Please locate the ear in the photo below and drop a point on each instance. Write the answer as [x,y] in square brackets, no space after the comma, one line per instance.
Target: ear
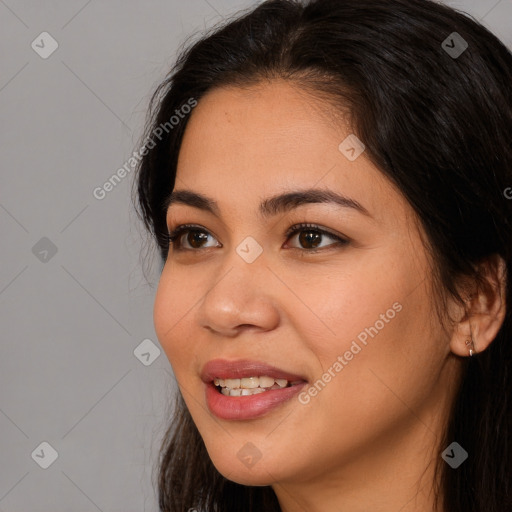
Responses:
[485,309]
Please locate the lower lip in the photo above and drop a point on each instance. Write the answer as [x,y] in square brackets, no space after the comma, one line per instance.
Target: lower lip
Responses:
[249,406]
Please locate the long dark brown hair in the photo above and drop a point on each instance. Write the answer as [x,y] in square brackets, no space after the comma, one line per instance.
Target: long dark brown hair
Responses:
[437,124]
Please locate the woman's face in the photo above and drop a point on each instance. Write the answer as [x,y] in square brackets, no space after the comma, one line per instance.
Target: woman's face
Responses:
[352,322]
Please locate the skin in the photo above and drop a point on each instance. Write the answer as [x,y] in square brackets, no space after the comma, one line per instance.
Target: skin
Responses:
[369,440]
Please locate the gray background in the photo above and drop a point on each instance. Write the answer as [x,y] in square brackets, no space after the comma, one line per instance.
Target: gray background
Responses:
[72,319]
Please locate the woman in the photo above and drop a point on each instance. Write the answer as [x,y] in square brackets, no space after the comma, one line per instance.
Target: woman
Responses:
[327,184]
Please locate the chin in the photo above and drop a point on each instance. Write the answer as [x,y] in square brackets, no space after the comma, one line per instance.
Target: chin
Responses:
[246,476]
[246,466]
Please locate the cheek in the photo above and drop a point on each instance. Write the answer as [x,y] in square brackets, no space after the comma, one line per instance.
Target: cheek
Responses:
[369,324]
[347,307]
[174,301]
[372,390]
[392,354]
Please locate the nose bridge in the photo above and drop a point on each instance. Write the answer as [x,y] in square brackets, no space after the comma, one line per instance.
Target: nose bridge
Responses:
[238,295]
[240,277]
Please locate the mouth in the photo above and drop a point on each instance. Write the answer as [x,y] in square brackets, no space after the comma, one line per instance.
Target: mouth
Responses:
[244,389]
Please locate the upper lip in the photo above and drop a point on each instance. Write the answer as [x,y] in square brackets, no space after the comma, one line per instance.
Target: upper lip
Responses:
[240,368]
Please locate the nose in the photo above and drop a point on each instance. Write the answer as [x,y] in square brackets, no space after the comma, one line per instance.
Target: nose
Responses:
[240,298]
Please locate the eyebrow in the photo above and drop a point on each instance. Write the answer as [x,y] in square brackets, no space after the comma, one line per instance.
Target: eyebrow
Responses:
[270,206]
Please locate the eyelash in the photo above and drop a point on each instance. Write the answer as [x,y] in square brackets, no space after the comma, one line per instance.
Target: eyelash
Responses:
[175,235]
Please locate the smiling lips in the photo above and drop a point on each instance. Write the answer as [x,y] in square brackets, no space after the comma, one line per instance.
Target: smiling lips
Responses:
[245,389]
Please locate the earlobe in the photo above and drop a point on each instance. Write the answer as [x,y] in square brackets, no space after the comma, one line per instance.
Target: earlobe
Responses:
[485,311]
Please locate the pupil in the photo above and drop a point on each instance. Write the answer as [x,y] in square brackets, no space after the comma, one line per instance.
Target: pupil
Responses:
[310,237]
[196,235]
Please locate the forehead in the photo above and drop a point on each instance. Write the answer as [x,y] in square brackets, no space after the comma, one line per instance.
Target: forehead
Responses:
[243,144]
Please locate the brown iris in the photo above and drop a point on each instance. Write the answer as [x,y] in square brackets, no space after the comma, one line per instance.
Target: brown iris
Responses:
[311,236]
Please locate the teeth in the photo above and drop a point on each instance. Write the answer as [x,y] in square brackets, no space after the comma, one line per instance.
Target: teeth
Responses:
[241,391]
[255,391]
[232,383]
[250,382]
[249,385]
[266,382]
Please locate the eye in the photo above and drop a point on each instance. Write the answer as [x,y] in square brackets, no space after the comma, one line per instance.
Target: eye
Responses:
[310,235]
[194,235]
